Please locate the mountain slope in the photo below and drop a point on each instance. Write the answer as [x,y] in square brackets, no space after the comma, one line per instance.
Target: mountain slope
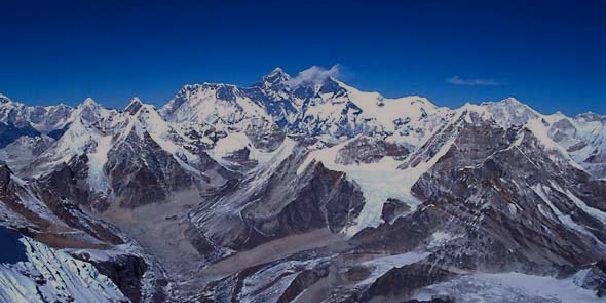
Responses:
[43,119]
[299,189]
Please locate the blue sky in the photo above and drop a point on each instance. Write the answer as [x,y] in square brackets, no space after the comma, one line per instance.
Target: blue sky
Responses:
[549,54]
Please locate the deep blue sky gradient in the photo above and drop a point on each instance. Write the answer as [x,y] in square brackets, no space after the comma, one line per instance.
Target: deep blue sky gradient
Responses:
[549,54]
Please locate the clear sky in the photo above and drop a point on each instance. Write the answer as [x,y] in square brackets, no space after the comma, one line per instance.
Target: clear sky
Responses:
[549,54]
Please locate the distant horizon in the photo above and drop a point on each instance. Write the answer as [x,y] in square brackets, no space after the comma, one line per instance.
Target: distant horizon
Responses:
[551,55]
[159,104]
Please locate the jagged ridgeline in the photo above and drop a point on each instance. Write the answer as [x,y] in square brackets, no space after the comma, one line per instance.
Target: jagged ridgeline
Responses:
[300,190]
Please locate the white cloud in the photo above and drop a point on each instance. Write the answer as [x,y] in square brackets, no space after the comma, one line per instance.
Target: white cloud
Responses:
[314,75]
[456,80]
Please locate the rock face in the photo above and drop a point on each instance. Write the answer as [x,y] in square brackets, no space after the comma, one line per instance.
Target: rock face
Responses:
[392,209]
[489,217]
[43,119]
[9,133]
[583,137]
[274,202]
[593,277]
[517,191]
[143,179]
[126,271]
[368,150]
[301,190]
[402,282]
[50,220]
[51,275]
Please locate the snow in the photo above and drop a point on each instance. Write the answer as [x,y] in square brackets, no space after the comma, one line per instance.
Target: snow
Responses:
[42,118]
[85,135]
[202,105]
[509,287]
[513,209]
[439,238]
[274,158]
[540,131]
[270,282]
[233,142]
[312,76]
[75,140]
[505,113]
[566,219]
[512,112]
[31,202]
[89,112]
[265,286]
[64,276]
[596,213]
[382,265]
[97,179]
[378,181]
[391,109]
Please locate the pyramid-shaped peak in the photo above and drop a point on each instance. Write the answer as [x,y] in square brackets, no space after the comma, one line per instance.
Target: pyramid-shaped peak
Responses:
[276,76]
[134,106]
[89,102]
[509,102]
[277,70]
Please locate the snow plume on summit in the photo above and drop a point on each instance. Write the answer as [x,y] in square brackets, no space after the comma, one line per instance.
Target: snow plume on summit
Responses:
[303,189]
[314,75]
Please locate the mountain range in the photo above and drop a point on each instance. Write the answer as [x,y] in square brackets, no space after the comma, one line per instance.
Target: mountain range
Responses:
[300,190]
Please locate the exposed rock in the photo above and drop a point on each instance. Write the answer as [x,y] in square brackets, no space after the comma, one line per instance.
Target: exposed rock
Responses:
[369,150]
[9,133]
[126,271]
[399,283]
[285,203]
[393,208]
[593,277]
[146,178]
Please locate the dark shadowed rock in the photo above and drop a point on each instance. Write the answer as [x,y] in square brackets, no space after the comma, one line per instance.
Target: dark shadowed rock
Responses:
[369,150]
[10,132]
[126,271]
[286,203]
[141,172]
[400,283]
[393,208]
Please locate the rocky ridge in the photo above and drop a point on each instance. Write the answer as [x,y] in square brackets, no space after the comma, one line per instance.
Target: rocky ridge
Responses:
[307,191]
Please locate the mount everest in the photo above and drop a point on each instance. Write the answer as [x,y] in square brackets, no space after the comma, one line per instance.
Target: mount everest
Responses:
[301,191]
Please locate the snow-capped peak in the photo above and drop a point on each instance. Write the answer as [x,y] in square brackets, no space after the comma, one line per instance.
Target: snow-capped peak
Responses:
[276,76]
[88,112]
[314,76]
[89,102]
[277,70]
[221,104]
[134,106]
[506,112]
[42,118]
[387,110]
[4,99]
[590,116]
[511,100]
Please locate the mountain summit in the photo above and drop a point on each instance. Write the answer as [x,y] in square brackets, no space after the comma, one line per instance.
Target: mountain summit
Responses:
[301,189]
